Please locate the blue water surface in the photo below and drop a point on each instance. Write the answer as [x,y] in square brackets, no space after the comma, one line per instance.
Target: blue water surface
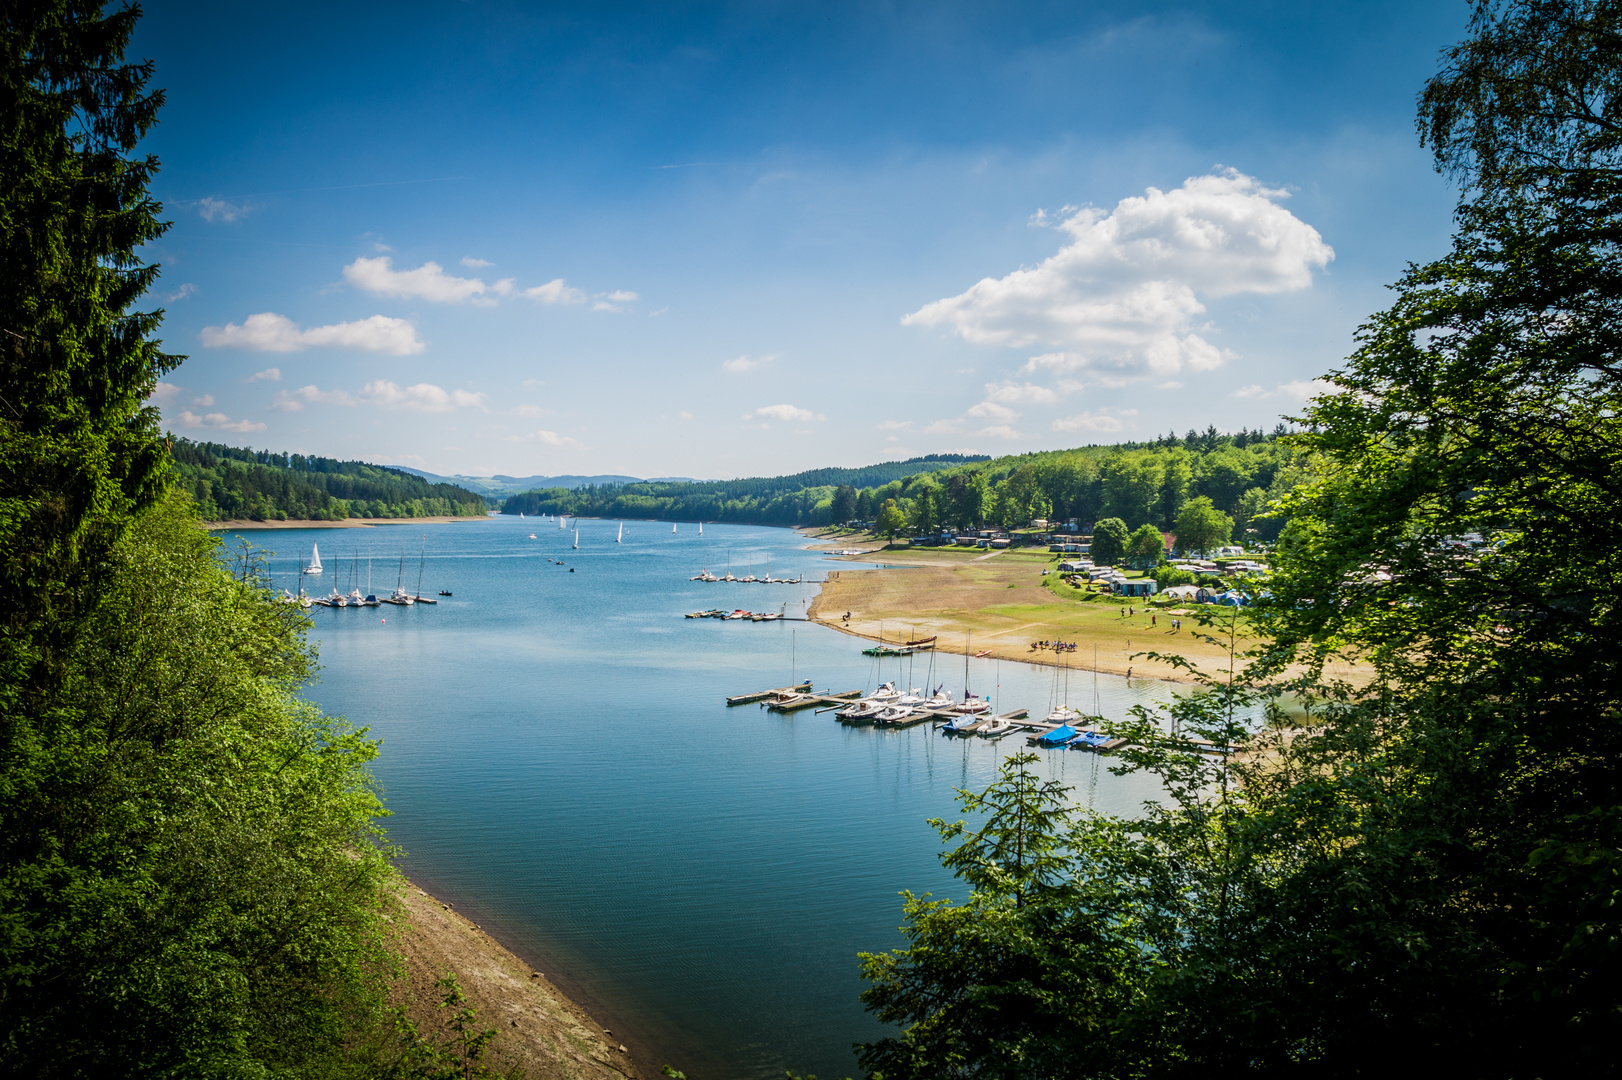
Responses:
[561,766]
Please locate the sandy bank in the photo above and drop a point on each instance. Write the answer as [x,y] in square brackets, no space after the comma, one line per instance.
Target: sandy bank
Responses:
[538,1030]
[347,523]
[1002,606]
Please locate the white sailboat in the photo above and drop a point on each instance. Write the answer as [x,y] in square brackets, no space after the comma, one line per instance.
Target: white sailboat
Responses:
[620,539]
[672,529]
[577,538]
[560,521]
[314,568]
[701,528]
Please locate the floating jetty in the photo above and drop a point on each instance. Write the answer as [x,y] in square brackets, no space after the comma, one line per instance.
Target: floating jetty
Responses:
[791,699]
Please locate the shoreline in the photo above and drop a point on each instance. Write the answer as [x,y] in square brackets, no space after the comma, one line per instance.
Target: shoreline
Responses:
[243,524]
[540,1030]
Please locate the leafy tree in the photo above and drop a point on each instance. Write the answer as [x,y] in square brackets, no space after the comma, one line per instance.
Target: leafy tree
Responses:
[1146,546]
[923,509]
[1110,541]
[891,521]
[1201,527]
[843,507]
[864,505]
[1040,508]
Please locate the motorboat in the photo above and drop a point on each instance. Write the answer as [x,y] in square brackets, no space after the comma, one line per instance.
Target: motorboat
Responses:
[1064,714]
[995,728]
[912,698]
[892,714]
[974,706]
[887,693]
[739,614]
[859,711]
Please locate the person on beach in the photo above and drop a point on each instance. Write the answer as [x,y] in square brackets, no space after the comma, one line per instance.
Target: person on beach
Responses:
[1154,619]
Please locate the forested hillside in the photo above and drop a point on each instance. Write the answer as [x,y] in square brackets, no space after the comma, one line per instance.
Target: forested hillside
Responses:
[1139,483]
[232,482]
[770,500]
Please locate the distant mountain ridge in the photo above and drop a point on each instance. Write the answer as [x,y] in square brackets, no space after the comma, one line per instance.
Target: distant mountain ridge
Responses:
[507,485]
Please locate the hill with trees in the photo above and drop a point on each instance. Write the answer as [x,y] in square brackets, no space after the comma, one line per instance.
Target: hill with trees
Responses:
[260,485]
[1149,483]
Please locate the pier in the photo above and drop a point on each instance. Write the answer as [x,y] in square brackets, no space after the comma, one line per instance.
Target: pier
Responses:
[800,696]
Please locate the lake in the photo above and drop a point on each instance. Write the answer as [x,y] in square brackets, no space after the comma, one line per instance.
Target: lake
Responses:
[561,766]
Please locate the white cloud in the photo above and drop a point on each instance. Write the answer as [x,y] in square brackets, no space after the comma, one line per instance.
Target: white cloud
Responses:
[164,393]
[785,413]
[894,425]
[1171,384]
[1105,421]
[422,397]
[943,427]
[295,400]
[1299,390]
[621,296]
[427,282]
[1123,294]
[604,305]
[661,311]
[270,374]
[740,364]
[555,292]
[530,412]
[217,422]
[185,290]
[991,410]
[685,415]
[1020,394]
[534,382]
[474,264]
[214,209]
[203,402]
[998,431]
[269,332]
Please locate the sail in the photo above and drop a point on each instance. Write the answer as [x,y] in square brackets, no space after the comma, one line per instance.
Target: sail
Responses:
[620,539]
[701,528]
[315,560]
[577,539]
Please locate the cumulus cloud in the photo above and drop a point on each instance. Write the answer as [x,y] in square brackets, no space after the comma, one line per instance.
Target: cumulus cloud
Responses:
[740,364]
[427,282]
[181,293]
[785,413]
[622,296]
[422,397]
[991,410]
[1103,421]
[164,393]
[214,209]
[474,264]
[1123,294]
[203,402]
[1021,394]
[295,400]
[217,422]
[1299,390]
[269,332]
[555,292]
[894,425]
[270,374]
[998,431]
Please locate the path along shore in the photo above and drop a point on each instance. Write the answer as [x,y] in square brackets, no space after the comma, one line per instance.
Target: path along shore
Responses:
[539,1031]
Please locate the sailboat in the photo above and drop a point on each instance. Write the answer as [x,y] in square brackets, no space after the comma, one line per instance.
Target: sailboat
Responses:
[560,521]
[620,539]
[701,528]
[577,538]
[401,594]
[314,569]
[672,528]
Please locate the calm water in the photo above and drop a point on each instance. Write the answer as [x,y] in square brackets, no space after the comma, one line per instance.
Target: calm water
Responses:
[562,767]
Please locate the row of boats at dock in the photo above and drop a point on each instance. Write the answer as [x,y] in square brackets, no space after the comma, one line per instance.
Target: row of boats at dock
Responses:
[750,579]
[354,598]
[739,613]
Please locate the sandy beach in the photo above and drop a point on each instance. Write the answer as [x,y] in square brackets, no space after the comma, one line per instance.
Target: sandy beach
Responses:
[978,601]
[539,1031]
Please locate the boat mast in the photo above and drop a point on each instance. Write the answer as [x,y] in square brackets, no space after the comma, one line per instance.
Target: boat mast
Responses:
[422,559]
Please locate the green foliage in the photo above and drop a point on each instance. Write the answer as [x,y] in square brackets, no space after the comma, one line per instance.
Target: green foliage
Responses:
[1417,872]
[891,522]
[923,518]
[843,506]
[1146,547]
[1201,527]
[228,482]
[190,874]
[1110,541]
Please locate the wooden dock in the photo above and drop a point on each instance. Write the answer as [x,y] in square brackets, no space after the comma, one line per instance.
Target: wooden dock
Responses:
[796,702]
[750,699]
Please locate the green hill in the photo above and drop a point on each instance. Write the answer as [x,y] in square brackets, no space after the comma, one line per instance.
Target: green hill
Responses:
[232,482]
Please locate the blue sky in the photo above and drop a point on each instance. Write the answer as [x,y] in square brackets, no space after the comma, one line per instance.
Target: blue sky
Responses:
[739,239]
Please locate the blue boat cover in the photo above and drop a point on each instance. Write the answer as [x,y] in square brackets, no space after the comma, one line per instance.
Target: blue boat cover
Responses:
[1089,739]
[1061,734]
